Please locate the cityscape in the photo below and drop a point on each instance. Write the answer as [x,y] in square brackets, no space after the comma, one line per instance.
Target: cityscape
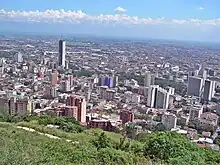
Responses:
[107,97]
[108,84]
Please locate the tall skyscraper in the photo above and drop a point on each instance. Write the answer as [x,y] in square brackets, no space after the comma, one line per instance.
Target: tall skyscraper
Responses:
[152,94]
[147,79]
[18,57]
[162,99]
[2,66]
[209,90]
[195,86]
[158,97]
[62,53]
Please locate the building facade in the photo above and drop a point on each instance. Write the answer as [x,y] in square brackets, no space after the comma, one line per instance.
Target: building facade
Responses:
[169,120]
[62,53]
[80,103]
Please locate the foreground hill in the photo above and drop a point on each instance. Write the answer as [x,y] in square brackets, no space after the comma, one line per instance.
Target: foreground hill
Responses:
[33,142]
[19,146]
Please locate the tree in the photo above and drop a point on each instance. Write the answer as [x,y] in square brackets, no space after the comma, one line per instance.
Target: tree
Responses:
[160,127]
[217,141]
[142,136]
[102,141]
[168,146]
[131,130]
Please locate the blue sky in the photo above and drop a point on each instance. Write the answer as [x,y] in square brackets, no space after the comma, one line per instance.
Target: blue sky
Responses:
[179,9]
[175,19]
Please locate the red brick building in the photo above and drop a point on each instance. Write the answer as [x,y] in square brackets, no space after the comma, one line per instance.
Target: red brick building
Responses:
[101,124]
[126,116]
[80,103]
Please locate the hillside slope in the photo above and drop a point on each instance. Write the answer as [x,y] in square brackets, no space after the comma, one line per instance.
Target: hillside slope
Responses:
[23,147]
[31,141]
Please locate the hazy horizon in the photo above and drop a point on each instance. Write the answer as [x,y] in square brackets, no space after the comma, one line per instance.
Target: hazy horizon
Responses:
[172,20]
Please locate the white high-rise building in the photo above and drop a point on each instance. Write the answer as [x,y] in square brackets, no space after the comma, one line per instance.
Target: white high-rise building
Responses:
[213,88]
[209,90]
[62,53]
[171,90]
[53,92]
[195,85]
[18,57]
[162,100]
[158,97]
[152,94]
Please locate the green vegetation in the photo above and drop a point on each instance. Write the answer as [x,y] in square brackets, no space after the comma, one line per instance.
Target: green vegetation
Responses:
[84,73]
[66,124]
[23,147]
[94,146]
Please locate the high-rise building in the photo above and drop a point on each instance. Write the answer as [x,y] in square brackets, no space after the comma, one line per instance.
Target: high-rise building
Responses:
[53,92]
[171,90]
[158,97]
[147,79]
[153,76]
[169,120]
[202,73]
[67,86]
[195,111]
[109,94]
[162,99]
[18,107]
[195,86]
[70,78]
[18,57]
[62,53]
[54,78]
[152,94]
[209,90]
[115,81]
[80,103]
[2,66]
[211,72]
[110,82]
[102,91]
[4,104]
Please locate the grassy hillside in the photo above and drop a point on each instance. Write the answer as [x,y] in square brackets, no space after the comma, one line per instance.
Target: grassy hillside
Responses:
[22,147]
[77,145]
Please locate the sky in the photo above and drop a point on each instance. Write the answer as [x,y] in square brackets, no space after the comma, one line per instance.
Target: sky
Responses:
[197,20]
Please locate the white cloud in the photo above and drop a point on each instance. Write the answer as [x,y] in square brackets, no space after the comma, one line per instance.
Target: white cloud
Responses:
[200,8]
[120,9]
[74,17]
